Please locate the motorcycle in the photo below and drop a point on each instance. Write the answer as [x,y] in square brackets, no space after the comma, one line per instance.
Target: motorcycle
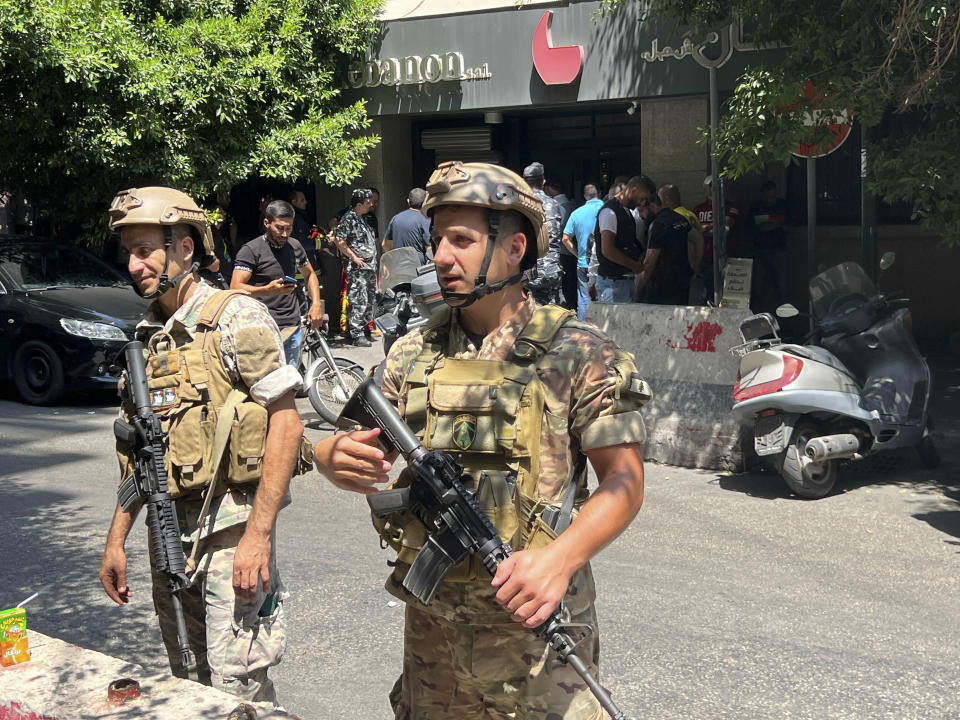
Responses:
[410,294]
[328,381]
[856,386]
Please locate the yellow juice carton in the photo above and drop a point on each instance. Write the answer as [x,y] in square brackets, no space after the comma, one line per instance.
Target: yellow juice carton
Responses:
[13,636]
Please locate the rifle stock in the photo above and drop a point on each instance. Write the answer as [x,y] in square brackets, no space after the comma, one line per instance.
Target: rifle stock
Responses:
[148,485]
[456,524]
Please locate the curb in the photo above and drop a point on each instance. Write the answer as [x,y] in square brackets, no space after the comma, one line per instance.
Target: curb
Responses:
[67,682]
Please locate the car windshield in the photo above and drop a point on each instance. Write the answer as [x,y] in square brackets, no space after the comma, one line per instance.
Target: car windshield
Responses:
[40,266]
[837,283]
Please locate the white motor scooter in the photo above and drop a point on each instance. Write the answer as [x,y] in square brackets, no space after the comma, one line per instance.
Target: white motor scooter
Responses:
[858,385]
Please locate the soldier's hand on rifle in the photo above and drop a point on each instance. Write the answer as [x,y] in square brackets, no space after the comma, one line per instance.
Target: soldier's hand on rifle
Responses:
[251,564]
[113,575]
[532,583]
[352,461]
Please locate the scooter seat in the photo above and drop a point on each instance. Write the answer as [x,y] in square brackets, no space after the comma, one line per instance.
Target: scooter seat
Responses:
[820,355]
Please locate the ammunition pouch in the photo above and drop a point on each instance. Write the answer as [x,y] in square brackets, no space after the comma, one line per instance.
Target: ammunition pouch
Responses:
[487,414]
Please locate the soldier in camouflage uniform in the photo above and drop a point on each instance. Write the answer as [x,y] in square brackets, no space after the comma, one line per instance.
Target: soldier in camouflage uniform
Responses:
[471,652]
[234,607]
[355,239]
[546,288]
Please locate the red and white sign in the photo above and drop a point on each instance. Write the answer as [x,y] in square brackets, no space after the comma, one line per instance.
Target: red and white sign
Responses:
[838,125]
[555,65]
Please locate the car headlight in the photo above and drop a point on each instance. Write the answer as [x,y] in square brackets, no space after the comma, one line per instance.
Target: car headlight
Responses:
[92,330]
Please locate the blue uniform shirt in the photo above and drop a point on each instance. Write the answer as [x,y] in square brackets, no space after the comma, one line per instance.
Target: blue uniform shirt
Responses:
[580,224]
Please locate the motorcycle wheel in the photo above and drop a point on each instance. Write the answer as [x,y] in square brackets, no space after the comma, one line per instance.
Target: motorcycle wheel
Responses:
[815,480]
[326,396]
[929,455]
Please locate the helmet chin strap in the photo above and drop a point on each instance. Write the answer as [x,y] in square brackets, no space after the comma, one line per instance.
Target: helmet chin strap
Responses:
[480,286]
[165,282]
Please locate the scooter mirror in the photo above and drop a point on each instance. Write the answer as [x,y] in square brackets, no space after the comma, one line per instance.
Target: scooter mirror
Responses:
[787,311]
[887,259]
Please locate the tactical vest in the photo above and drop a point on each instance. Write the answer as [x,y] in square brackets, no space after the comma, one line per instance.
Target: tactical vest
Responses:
[487,414]
[190,390]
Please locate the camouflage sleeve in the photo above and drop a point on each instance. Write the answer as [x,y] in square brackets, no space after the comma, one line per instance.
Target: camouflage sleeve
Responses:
[252,351]
[346,229]
[397,366]
[607,393]
[554,222]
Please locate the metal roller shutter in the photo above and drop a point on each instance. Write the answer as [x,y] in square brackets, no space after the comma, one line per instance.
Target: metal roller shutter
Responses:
[469,144]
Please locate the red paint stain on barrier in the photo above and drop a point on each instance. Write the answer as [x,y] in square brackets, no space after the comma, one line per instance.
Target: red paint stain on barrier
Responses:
[16,711]
[699,337]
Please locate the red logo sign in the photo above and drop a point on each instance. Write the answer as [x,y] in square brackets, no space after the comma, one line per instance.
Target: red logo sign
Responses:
[837,124]
[555,65]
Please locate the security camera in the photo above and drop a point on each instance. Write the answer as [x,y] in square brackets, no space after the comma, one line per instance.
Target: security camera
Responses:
[633,107]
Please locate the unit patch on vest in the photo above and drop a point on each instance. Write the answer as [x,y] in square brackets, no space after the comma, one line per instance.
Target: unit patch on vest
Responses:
[163,397]
[464,431]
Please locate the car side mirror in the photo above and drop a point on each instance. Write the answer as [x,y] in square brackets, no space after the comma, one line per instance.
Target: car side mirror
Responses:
[887,260]
[787,311]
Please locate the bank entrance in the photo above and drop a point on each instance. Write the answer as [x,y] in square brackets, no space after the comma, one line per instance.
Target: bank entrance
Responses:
[575,147]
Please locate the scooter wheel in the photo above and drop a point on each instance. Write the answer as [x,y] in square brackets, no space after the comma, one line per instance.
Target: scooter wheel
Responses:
[810,480]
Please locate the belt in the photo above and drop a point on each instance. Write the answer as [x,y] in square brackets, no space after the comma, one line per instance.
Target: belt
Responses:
[628,276]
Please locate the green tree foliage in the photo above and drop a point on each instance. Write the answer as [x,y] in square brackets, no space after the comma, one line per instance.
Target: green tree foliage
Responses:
[99,95]
[892,63]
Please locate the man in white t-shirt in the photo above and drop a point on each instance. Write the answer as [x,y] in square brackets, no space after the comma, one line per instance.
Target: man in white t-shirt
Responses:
[620,243]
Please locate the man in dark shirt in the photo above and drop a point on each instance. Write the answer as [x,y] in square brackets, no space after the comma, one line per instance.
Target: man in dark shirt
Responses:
[260,269]
[704,213]
[665,278]
[371,215]
[766,227]
[409,228]
[301,225]
[568,260]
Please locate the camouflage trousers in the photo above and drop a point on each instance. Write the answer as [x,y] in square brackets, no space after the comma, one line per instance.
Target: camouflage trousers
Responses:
[460,670]
[234,642]
[361,299]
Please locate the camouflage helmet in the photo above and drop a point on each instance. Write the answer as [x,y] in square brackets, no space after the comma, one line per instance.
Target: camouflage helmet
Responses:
[487,186]
[160,206]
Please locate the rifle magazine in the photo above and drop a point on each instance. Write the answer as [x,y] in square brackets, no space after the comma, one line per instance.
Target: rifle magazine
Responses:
[440,554]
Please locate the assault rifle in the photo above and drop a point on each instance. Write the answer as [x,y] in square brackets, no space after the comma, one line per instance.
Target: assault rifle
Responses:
[456,525]
[148,485]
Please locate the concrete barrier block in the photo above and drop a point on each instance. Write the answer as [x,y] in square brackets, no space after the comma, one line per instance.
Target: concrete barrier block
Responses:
[683,353]
[67,682]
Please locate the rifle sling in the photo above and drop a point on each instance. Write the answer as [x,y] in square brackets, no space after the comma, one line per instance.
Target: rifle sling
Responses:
[220,440]
[570,494]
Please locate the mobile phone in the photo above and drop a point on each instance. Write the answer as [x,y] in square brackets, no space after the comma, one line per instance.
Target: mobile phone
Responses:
[287,280]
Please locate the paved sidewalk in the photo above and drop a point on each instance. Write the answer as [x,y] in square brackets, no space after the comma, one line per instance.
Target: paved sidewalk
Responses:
[66,682]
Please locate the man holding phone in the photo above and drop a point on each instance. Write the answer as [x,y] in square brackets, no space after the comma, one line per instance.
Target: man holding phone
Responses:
[266,268]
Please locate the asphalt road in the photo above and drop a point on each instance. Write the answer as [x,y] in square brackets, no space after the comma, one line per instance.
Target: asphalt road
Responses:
[726,598]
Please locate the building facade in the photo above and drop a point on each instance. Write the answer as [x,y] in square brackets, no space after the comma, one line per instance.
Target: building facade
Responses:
[590,96]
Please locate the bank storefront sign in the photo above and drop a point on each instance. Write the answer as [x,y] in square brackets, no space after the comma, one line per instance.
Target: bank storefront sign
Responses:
[414,70]
[528,56]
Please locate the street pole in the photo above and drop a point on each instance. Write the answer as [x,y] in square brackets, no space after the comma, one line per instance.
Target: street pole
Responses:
[719,214]
[811,223]
[868,215]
